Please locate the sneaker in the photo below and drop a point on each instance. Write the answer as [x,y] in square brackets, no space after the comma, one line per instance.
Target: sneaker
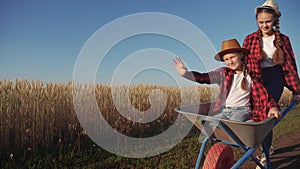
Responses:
[263,162]
[271,150]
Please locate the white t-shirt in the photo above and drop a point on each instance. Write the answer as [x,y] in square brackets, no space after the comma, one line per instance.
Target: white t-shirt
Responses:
[237,97]
[270,49]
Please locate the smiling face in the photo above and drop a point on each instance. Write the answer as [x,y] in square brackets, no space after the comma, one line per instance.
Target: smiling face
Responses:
[234,61]
[265,22]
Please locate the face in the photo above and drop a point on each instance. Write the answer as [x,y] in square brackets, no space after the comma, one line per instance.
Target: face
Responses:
[234,61]
[265,22]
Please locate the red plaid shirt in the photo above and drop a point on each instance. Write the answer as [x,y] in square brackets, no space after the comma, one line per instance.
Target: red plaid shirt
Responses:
[260,100]
[289,67]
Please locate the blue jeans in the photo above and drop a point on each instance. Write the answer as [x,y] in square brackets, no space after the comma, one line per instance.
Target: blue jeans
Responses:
[234,113]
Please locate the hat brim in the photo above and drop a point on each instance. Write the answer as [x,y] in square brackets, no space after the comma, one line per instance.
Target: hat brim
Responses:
[219,56]
[268,7]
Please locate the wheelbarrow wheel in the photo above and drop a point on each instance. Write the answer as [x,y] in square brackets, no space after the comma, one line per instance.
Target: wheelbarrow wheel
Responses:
[219,156]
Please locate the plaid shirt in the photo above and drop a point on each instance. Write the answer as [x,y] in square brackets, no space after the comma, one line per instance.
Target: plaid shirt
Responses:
[260,100]
[291,77]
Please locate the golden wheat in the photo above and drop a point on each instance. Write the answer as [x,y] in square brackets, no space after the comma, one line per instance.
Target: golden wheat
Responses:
[34,114]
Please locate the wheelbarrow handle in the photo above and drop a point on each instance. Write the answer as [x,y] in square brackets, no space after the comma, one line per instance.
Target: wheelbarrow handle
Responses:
[294,103]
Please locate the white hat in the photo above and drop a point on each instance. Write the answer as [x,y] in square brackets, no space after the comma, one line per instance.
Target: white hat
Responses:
[269,4]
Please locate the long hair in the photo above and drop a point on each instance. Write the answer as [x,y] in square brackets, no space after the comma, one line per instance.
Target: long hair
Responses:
[244,83]
[278,56]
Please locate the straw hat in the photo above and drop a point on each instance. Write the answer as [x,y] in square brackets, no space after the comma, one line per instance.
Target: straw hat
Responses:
[229,46]
[269,4]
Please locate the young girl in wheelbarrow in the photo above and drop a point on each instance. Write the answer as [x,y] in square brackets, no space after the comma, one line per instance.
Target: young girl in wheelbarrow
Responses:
[242,97]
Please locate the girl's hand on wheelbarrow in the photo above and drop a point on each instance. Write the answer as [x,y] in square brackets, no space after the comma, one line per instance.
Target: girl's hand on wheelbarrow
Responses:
[274,112]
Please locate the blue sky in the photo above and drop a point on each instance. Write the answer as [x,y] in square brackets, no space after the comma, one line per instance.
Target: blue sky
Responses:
[42,40]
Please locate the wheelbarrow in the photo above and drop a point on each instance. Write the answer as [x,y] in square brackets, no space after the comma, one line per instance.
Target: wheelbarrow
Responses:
[227,133]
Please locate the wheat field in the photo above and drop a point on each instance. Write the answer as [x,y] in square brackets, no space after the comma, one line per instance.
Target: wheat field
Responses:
[34,114]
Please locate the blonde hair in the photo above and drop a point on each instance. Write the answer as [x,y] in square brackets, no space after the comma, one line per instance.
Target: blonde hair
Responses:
[244,83]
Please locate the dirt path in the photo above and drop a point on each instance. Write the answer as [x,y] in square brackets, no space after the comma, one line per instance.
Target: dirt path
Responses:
[286,153]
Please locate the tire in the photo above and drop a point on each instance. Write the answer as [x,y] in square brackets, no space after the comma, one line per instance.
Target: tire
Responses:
[219,156]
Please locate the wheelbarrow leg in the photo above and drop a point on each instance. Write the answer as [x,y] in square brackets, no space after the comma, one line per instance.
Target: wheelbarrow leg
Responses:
[266,153]
[201,153]
[244,158]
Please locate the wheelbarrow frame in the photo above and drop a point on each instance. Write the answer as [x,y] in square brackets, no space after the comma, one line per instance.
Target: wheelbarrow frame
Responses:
[234,137]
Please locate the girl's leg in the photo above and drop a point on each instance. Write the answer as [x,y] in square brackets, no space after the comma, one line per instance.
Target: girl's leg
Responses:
[235,113]
[273,79]
[240,114]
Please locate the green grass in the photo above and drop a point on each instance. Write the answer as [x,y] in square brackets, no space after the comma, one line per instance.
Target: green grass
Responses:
[85,154]
[288,124]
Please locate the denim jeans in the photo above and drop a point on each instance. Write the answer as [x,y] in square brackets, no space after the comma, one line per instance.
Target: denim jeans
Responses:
[242,114]
[235,113]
